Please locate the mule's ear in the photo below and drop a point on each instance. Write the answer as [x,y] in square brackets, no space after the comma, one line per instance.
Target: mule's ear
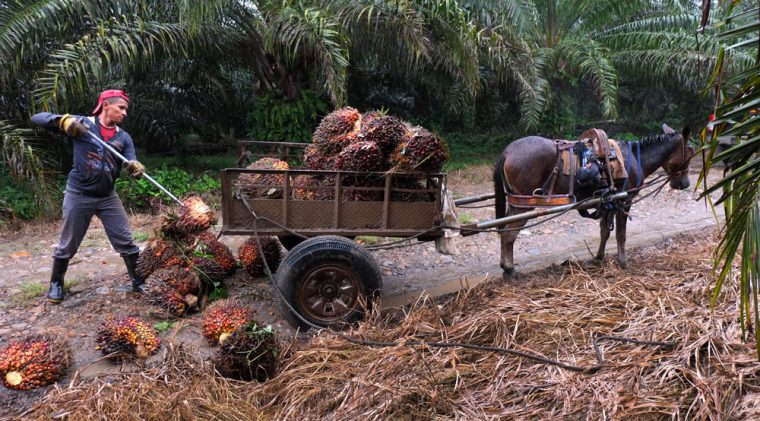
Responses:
[667,129]
[686,132]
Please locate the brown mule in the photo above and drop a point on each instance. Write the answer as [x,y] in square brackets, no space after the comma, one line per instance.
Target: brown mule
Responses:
[527,163]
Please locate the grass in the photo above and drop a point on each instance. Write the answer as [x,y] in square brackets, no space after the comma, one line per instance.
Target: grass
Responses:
[34,289]
[141,235]
[163,327]
[29,291]
[466,149]
[367,239]
[466,218]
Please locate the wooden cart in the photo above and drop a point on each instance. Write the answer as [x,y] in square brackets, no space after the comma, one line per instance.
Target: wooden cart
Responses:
[328,279]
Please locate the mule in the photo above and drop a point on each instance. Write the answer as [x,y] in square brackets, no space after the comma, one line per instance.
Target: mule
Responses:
[526,164]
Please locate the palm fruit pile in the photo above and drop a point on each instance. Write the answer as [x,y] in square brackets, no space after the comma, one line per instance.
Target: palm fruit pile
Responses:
[174,289]
[127,337]
[371,142]
[34,361]
[249,353]
[184,252]
[194,217]
[252,260]
[262,185]
[224,317]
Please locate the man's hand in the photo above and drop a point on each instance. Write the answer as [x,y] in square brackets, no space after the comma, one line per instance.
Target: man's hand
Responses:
[135,168]
[71,126]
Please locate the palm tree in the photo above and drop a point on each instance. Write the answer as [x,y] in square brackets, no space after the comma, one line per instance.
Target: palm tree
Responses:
[195,66]
[738,115]
[601,42]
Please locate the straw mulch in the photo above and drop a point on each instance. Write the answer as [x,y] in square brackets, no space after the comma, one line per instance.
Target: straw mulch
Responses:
[709,373]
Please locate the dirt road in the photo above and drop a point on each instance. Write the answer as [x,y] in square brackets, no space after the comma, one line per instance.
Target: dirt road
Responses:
[409,271]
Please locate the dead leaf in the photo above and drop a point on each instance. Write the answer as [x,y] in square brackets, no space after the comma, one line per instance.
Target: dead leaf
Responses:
[20,254]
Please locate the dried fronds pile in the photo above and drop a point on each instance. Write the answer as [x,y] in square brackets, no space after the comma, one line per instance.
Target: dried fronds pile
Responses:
[664,295]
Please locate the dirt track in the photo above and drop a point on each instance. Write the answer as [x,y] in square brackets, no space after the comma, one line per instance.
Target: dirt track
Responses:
[25,263]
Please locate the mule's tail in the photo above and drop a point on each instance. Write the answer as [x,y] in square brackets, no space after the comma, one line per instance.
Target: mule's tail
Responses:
[499,188]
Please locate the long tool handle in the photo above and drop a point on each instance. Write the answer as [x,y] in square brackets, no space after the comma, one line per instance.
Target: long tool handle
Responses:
[124,159]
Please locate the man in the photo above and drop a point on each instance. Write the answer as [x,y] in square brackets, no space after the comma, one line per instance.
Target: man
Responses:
[90,185]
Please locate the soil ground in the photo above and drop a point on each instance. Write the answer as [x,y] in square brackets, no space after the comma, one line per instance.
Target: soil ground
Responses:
[96,271]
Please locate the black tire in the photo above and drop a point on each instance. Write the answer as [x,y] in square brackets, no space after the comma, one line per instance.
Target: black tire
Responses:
[328,280]
[290,241]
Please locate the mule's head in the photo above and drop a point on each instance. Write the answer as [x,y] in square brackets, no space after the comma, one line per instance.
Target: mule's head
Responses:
[677,164]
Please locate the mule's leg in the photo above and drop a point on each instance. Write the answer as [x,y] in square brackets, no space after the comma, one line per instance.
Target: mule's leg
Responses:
[621,218]
[604,234]
[508,238]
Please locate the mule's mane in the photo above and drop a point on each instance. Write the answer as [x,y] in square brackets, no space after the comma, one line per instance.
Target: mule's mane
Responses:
[664,137]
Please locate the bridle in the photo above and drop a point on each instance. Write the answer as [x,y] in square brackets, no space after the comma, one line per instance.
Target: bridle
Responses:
[684,167]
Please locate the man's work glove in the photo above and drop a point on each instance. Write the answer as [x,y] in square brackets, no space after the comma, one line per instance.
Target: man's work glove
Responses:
[135,168]
[71,126]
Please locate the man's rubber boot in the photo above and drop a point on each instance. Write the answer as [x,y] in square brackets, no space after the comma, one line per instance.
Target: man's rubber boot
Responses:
[137,284]
[55,293]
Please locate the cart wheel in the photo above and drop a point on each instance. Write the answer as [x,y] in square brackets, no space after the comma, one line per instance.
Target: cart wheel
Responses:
[290,241]
[327,280]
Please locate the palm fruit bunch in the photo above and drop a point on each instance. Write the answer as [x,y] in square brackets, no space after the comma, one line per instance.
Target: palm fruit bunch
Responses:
[159,253]
[315,159]
[175,289]
[127,337]
[251,259]
[386,131]
[248,353]
[337,130]
[360,156]
[223,318]
[34,361]
[261,185]
[207,269]
[207,243]
[368,116]
[193,217]
[424,151]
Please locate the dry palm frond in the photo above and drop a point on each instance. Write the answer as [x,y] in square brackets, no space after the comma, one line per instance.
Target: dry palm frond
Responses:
[709,373]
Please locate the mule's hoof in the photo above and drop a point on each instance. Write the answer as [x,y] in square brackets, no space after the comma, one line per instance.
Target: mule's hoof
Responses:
[509,274]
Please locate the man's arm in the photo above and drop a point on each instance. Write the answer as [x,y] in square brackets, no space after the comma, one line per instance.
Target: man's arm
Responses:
[72,125]
[47,120]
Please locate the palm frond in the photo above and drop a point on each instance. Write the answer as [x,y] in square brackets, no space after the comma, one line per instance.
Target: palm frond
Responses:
[26,162]
[313,35]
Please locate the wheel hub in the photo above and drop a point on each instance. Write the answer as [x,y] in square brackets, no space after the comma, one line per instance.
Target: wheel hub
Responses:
[329,292]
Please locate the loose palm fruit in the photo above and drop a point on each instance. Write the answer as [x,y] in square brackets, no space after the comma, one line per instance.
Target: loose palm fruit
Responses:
[223,318]
[34,361]
[127,337]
